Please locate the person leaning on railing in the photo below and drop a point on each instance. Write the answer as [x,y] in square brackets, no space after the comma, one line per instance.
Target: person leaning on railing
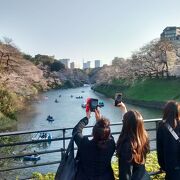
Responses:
[132,146]
[168,145]
[94,155]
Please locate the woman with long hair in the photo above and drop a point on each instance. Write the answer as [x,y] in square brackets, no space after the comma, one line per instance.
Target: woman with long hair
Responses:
[132,146]
[168,145]
[94,155]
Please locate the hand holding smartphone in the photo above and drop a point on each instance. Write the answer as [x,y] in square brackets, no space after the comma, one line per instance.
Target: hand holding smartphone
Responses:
[118,98]
[91,104]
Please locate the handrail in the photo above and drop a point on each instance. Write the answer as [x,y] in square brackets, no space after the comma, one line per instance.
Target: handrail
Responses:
[61,129]
[61,150]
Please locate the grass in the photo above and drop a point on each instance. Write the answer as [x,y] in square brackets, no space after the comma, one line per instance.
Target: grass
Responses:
[155,90]
[151,166]
[159,90]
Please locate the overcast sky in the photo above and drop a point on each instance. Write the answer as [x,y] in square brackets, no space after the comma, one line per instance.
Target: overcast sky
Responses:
[85,29]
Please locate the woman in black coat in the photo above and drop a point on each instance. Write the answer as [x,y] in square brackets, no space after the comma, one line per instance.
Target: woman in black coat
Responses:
[95,155]
[168,148]
[132,146]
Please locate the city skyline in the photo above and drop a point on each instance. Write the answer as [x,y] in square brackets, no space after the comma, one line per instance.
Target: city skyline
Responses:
[85,29]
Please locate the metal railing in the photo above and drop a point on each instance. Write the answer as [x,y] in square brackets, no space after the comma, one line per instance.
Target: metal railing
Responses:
[61,150]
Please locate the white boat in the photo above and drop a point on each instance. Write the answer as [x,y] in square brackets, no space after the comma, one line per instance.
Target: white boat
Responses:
[42,136]
[32,158]
[86,85]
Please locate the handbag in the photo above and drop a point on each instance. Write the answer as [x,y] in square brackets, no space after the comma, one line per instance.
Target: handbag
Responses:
[68,166]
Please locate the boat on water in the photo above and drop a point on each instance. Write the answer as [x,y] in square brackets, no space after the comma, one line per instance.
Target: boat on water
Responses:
[35,157]
[42,136]
[50,118]
[56,101]
[86,85]
[101,104]
[79,97]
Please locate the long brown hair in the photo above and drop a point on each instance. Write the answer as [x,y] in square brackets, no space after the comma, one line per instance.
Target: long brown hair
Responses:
[101,131]
[171,113]
[133,130]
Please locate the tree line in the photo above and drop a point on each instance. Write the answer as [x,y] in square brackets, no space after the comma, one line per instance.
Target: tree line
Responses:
[154,60]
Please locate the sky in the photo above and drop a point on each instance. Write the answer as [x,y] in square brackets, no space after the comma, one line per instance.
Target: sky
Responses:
[85,29]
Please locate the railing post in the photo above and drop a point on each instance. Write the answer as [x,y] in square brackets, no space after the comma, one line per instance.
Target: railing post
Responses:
[64,144]
[157,122]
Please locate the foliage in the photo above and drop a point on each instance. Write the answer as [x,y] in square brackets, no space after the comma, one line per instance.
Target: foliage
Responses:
[28,57]
[6,123]
[56,66]
[151,166]
[68,84]
[146,90]
[8,50]
[151,90]
[152,59]
[44,59]
[39,176]
[7,103]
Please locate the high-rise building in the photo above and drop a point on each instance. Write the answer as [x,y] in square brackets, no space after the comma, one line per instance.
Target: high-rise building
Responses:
[84,65]
[65,62]
[171,33]
[72,65]
[88,64]
[97,63]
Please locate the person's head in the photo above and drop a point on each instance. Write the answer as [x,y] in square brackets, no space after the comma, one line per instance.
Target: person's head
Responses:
[101,131]
[171,113]
[133,130]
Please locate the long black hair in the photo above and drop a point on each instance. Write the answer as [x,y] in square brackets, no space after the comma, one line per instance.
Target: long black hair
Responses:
[171,113]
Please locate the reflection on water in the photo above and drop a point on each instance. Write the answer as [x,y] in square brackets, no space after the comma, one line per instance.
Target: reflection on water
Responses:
[66,111]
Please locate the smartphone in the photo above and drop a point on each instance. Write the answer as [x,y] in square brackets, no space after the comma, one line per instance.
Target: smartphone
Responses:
[93,104]
[118,98]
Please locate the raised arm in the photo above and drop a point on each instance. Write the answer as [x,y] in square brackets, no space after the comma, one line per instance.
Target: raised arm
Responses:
[77,130]
[122,108]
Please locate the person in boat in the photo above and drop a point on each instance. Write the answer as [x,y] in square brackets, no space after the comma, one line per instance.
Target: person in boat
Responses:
[35,154]
[94,155]
[44,135]
[132,146]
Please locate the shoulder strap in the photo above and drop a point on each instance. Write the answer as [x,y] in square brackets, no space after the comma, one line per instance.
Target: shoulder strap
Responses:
[170,129]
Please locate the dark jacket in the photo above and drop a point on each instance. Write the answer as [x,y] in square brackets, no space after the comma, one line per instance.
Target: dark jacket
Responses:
[129,170]
[168,151]
[95,162]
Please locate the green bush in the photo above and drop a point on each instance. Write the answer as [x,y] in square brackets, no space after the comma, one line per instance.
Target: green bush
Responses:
[39,176]
[151,166]
[56,66]
[7,103]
